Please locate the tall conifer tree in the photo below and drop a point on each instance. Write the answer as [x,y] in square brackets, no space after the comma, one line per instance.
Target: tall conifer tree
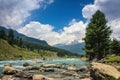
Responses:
[97,38]
[11,36]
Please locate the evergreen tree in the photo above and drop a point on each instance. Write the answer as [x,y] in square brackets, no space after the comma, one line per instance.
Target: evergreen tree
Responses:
[11,37]
[17,40]
[2,34]
[97,38]
[20,42]
[115,47]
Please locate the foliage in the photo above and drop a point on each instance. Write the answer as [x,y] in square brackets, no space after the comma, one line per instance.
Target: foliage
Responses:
[112,58]
[11,37]
[14,52]
[115,47]
[2,34]
[97,40]
[110,78]
[60,52]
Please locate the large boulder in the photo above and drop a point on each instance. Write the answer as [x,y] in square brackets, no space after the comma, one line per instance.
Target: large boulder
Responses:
[8,69]
[9,77]
[99,71]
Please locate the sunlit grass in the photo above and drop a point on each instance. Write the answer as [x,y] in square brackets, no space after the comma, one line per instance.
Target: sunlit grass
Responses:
[14,52]
[113,59]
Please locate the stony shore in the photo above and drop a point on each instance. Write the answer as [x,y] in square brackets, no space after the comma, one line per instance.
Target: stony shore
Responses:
[95,71]
[46,72]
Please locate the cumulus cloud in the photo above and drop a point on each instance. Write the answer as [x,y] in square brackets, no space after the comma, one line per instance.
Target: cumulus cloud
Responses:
[109,7]
[89,10]
[40,31]
[73,33]
[115,26]
[111,10]
[14,12]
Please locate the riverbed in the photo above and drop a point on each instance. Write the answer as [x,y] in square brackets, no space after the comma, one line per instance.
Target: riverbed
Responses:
[38,62]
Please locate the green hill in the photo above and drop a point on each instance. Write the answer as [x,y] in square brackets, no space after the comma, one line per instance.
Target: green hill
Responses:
[14,52]
[26,38]
[17,47]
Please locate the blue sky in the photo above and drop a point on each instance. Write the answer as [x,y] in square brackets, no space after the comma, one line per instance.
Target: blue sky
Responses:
[60,13]
[57,21]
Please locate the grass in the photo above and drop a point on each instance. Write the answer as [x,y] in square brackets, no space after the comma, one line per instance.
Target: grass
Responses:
[112,59]
[8,52]
[110,78]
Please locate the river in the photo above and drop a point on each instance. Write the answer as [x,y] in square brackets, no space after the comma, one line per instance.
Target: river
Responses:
[19,63]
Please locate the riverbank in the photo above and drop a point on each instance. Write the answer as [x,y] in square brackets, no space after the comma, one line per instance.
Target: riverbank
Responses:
[57,69]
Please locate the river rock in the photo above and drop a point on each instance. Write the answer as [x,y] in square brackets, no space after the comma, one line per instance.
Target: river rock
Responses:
[26,64]
[38,77]
[99,71]
[67,79]
[50,79]
[14,74]
[10,77]
[31,68]
[8,65]
[86,79]
[83,69]
[8,69]
[22,74]
[49,70]
[72,68]
[50,65]
[68,73]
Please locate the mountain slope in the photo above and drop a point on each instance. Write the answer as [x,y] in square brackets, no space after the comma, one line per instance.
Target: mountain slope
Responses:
[14,52]
[35,44]
[25,37]
[74,48]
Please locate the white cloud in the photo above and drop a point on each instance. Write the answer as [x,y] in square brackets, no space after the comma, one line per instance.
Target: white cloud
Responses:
[89,10]
[40,31]
[14,12]
[115,26]
[111,10]
[69,35]
[73,33]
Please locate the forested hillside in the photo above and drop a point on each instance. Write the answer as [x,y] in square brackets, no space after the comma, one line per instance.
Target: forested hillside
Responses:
[12,46]
[16,34]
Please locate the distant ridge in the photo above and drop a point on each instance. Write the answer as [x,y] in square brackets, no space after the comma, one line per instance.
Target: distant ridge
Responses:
[74,48]
[40,44]
[43,42]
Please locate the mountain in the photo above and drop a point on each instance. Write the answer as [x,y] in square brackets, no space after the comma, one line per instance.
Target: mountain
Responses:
[24,37]
[8,52]
[39,45]
[74,48]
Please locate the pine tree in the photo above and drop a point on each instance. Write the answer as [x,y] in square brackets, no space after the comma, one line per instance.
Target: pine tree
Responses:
[115,47]
[20,42]
[97,38]
[2,34]
[11,37]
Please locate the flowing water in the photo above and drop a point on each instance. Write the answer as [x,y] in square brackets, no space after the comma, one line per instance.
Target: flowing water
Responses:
[19,63]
